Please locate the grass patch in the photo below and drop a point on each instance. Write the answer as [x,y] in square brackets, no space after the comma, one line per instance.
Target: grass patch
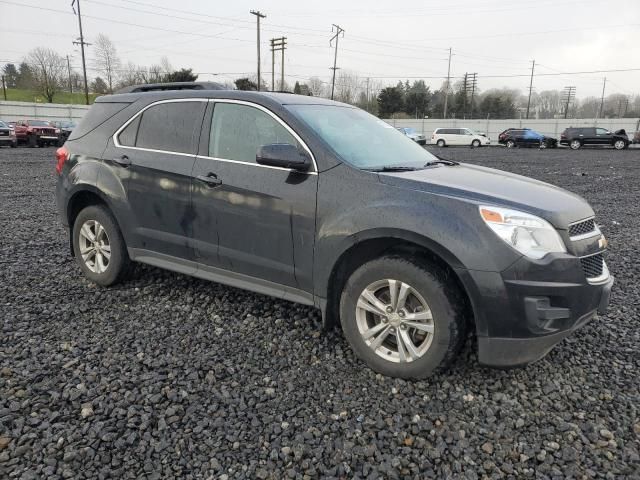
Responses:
[21,95]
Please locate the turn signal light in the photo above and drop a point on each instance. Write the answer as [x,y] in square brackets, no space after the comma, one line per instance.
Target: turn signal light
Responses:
[62,155]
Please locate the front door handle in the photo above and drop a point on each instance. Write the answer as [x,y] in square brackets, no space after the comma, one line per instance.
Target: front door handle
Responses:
[210,179]
[123,161]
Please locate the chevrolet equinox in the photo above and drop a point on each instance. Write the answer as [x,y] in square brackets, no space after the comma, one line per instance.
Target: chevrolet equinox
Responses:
[320,203]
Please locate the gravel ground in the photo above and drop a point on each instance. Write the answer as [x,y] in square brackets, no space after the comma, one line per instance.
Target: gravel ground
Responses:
[169,376]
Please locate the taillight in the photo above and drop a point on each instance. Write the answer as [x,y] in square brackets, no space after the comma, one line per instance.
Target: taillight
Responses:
[62,155]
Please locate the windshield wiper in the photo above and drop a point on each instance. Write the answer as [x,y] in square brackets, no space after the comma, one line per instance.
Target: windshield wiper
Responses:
[441,161]
[392,168]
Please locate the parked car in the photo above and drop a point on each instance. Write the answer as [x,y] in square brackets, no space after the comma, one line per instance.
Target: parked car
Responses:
[36,133]
[525,137]
[7,135]
[320,203]
[443,137]
[65,128]
[636,137]
[413,135]
[590,136]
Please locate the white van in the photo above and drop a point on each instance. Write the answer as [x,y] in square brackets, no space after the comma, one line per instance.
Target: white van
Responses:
[444,137]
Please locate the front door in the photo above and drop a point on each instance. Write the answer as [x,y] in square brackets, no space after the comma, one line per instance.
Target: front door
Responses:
[155,154]
[252,219]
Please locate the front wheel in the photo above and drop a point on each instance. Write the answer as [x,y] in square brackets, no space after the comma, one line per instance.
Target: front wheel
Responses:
[99,247]
[619,145]
[403,318]
[475,143]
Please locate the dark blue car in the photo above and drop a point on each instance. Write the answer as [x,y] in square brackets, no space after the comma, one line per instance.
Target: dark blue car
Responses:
[525,137]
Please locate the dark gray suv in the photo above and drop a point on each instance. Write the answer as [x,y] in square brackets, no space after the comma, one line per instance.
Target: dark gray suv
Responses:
[320,203]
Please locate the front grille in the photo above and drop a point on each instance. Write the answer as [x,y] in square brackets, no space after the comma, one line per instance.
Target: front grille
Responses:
[592,265]
[4,132]
[581,228]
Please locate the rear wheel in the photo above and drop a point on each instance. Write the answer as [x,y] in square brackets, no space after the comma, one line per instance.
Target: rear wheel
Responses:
[575,144]
[441,143]
[475,143]
[543,144]
[510,144]
[99,247]
[403,319]
[32,141]
[14,144]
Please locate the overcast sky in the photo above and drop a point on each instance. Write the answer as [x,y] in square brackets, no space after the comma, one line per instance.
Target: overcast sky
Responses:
[386,41]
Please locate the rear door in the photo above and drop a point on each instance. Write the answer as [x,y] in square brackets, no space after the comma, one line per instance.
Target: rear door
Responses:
[154,154]
[252,219]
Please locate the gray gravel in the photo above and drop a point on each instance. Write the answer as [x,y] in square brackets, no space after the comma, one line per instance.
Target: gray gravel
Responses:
[169,376]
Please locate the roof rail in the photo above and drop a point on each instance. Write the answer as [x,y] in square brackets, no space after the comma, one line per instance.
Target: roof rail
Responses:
[157,87]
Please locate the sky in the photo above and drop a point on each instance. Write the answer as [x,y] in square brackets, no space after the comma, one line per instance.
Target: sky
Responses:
[383,41]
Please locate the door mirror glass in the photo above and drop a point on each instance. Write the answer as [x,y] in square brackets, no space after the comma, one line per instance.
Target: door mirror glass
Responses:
[283,155]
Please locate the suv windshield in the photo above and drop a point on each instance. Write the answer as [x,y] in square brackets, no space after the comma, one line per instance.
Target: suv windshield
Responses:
[3,125]
[362,140]
[38,123]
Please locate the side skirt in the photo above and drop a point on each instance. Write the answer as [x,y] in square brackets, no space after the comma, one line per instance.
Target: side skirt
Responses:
[222,276]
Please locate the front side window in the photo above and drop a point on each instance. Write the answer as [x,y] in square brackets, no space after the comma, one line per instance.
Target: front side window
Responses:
[601,131]
[238,131]
[171,127]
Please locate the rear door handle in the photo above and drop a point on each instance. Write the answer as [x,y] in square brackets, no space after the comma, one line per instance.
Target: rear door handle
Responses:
[210,179]
[123,161]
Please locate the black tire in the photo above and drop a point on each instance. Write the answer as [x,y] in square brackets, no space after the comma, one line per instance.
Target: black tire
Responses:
[510,144]
[475,143]
[14,144]
[444,300]
[32,141]
[441,143]
[575,144]
[619,144]
[118,265]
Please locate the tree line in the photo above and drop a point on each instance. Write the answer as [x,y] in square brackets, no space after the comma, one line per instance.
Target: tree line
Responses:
[49,73]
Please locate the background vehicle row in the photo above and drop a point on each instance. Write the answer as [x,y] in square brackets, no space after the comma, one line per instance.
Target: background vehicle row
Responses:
[35,133]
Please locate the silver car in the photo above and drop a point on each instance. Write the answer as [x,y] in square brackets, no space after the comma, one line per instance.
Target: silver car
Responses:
[413,135]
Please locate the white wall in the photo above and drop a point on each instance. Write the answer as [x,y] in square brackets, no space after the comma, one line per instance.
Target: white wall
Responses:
[10,110]
[551,127]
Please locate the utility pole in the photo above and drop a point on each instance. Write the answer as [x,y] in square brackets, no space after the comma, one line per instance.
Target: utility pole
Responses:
[339,31]
[4,88]
[82,43]
[604,84]
[277,44]
[446,93]
[533,67]
[258,15]
[69,72]
[568,94]
[474,83]
[367,94]
[464,96]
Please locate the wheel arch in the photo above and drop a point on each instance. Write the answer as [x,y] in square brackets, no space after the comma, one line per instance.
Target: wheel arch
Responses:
[370,245]
[80,199]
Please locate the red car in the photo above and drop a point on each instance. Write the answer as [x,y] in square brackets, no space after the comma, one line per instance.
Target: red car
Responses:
[36,133]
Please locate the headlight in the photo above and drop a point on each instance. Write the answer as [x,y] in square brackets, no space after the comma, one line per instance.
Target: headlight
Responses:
[530,235]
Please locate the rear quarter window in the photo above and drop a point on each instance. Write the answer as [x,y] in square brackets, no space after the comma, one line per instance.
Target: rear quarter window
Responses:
[171,127]
[99,113]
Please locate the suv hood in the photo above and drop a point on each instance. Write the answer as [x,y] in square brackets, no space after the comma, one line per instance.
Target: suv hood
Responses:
[489,186]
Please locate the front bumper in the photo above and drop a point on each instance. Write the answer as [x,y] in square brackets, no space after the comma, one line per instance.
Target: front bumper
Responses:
[523,312]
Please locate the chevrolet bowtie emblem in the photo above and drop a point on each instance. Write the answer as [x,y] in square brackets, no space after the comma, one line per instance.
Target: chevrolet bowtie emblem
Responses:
[602,242]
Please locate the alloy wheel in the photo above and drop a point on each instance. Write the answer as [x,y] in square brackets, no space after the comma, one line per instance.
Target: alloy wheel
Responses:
[94,246]
[395,321]
[618,145]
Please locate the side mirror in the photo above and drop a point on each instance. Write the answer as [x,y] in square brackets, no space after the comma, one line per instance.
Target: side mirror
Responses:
[283,155]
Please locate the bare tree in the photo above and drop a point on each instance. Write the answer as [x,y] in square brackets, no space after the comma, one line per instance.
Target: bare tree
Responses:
[347,86]
[49,71]
[106,60]
[131,74]
[316,87]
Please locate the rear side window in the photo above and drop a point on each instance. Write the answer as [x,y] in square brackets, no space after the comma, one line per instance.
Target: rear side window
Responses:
[171,127]
[238,131]
[99,113]
[128,136]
